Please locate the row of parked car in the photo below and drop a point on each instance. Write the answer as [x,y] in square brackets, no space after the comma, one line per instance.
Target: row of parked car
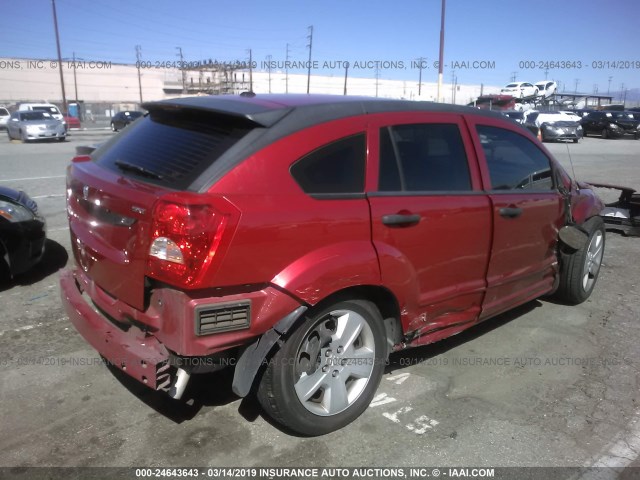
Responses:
[576,124]
[34,121]
[543,89]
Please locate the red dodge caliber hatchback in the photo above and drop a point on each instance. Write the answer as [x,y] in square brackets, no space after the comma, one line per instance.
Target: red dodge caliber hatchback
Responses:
[301,239]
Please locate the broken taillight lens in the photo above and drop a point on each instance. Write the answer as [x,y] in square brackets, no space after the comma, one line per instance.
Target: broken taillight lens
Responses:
[185,233]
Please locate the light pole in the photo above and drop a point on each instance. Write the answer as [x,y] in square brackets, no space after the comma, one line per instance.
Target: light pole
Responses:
[441,54]
[55,26]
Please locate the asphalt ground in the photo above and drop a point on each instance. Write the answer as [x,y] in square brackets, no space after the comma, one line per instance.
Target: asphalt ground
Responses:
[543,385]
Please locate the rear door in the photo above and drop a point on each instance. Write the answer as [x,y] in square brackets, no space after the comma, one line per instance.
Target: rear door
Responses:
[431,222]
[527,214]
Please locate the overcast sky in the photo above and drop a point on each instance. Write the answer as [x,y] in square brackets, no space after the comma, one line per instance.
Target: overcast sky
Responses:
[487,41]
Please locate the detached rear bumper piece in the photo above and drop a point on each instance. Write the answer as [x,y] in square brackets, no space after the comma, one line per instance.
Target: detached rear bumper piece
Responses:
[133,351]
[622,215]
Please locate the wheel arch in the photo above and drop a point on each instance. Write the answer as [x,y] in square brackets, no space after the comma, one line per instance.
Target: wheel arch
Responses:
[253,359]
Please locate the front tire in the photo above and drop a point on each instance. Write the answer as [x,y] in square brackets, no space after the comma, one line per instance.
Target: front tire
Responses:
[113,127]
[605,133]
[579,268]
[328,370]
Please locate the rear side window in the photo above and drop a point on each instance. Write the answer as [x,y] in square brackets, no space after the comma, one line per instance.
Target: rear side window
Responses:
[423,158]
[514,162]
[171,148]
[337,168]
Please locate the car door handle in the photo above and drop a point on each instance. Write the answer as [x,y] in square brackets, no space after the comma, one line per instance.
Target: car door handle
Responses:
[510,212]
[400,219]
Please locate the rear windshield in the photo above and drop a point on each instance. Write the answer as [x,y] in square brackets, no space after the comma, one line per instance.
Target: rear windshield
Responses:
[46,109]
[171,148]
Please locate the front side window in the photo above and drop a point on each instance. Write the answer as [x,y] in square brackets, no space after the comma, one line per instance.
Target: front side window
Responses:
[336,168]
[423,158]
[514,162]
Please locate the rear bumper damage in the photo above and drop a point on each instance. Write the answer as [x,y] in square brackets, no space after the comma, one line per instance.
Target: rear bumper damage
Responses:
[163,346]
[133,351]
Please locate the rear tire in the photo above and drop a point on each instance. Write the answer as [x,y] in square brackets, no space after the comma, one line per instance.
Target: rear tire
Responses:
[328,370]
[113,127]
[576,140]
[605,134]
[579,268]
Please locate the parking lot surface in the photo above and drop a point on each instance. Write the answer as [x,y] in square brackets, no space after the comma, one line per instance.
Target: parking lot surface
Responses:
[544,385]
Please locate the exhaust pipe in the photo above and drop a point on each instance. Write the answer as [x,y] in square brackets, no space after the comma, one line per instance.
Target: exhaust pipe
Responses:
[179,384]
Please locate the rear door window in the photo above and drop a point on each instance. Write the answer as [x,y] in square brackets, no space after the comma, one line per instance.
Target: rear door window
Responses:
[423,158]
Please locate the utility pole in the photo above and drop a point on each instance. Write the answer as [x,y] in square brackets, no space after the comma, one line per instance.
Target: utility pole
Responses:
[250,71]
[441,54]
[420,65]
[514,75]
[609,87]
[286,71]
[269,57]
[577,83]
[346,71]
[546,72]
[75,84]
[377,78]
[138,58]
[622,90]
[310,45]
[184,73]
[55,26]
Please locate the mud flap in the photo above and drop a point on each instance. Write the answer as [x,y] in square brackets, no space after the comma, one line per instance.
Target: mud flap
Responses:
[253,356]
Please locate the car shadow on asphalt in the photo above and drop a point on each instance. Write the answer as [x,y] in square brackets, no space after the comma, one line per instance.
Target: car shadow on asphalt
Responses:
[413,356]
[214,389]
[203,390]
[55,257]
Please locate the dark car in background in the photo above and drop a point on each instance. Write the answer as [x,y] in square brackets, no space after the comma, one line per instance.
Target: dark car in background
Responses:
[22,233]
[517,116]
[555,126]
[122,119]
[611,124]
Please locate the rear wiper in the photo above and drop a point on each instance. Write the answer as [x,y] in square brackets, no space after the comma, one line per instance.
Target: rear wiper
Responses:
[137,169]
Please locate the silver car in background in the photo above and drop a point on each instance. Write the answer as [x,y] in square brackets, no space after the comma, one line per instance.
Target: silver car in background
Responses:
[34,125]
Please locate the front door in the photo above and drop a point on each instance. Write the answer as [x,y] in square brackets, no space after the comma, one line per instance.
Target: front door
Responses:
[527,214]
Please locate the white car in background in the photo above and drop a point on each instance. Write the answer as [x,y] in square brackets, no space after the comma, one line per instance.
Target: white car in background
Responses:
[520,90]
[546,88]
[4,117]
[42,107]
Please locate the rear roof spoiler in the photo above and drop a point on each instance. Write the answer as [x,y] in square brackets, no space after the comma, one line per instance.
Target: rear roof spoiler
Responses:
[264,114]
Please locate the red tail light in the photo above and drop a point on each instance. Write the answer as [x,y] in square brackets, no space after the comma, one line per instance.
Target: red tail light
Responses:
[185,234]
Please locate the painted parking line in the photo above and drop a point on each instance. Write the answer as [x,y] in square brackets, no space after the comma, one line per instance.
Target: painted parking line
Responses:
[381,399]
[30,178]
[25,328]
[619,454]
[53,195]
